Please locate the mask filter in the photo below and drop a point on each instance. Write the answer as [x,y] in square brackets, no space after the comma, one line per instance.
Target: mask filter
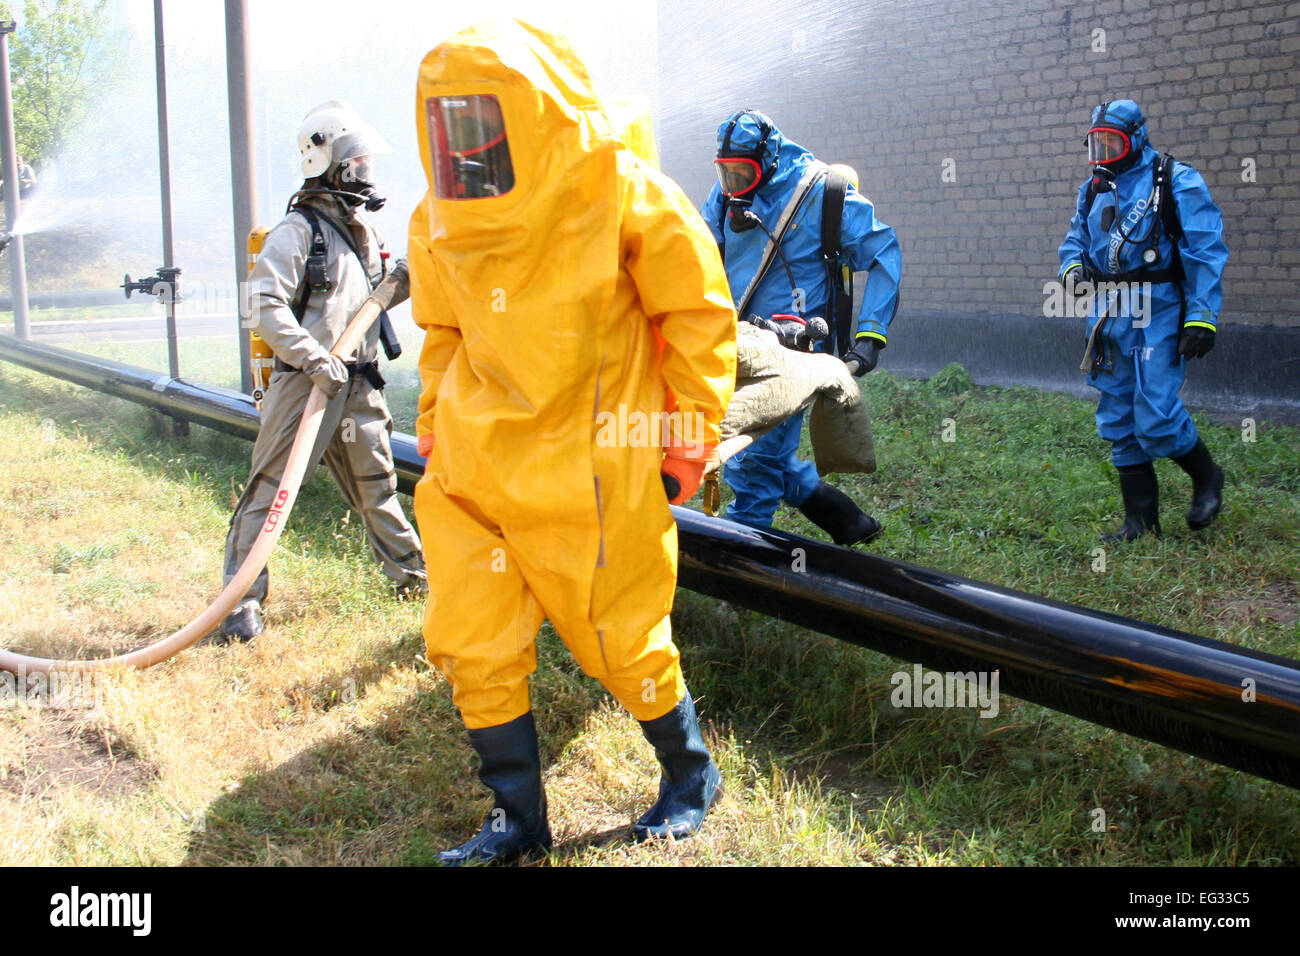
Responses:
[740,218]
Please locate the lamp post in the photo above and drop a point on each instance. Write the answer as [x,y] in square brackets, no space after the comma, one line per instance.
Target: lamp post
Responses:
[17,262]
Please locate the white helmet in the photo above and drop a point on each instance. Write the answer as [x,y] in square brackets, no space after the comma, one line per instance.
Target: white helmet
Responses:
[334,133]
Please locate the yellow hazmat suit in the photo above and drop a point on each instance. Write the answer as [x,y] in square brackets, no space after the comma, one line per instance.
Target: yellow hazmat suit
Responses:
[581,292]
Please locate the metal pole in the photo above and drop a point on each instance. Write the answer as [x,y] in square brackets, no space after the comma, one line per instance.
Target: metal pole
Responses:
[243,175]
[165,176]
[17,261]
[1232,705]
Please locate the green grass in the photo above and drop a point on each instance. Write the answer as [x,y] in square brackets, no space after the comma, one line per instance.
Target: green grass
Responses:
[330,740]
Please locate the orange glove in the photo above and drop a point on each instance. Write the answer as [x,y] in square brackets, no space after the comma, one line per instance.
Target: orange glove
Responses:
[683,472]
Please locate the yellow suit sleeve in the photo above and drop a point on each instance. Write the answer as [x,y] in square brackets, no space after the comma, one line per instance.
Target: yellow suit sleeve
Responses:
[674,261]
[428,309]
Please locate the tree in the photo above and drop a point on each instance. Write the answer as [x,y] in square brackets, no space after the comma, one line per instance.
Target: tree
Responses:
[61,52]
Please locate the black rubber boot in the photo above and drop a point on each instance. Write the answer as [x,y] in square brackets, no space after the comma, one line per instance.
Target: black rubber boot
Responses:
[1207,486]
[512,769]
[243,623]
[691,782]
[1137,483]
[835,513]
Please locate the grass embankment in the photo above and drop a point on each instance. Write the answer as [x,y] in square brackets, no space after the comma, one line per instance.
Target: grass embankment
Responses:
[330,740]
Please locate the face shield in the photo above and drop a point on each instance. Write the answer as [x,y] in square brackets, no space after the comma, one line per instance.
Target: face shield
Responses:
[353,153]
[1106,145]
[467,140]
[737,175]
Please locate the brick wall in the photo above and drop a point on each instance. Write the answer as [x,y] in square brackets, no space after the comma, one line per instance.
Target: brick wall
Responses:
[1000,93]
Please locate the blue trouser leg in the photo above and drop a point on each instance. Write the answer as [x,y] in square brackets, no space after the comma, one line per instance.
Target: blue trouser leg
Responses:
[1115,421]
[1140,412]
[767,471]
[1162,424]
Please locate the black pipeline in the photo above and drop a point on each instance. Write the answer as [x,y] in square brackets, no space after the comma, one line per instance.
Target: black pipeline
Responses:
[1228,704]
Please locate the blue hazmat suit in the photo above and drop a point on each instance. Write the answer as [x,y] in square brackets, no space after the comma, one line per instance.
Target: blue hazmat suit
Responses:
[770,469]
[1139,411]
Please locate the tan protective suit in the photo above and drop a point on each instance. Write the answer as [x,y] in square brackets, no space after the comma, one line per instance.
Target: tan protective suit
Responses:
[354,433]
[591,284]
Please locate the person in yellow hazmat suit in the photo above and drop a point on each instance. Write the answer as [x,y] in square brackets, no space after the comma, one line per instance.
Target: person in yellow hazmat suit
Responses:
[579,355]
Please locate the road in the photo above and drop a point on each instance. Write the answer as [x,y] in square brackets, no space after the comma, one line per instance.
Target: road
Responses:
[142,328]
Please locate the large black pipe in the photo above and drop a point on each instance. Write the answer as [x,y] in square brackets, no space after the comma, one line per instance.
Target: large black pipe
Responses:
[1229,704]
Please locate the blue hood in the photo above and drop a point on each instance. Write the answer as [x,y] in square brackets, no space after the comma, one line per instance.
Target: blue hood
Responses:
[789,157]
[1125,116]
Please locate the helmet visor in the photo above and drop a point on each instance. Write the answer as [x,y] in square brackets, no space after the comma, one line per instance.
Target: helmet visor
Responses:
[1106,145]
[467,140]
[737,175]
[364,141]
[358,169]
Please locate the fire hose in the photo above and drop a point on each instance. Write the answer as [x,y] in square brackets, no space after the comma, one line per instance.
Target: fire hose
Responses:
[392,290]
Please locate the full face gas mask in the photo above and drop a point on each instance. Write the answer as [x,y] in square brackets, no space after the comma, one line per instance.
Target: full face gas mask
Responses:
[355,179]
[1113,141]
[741,171]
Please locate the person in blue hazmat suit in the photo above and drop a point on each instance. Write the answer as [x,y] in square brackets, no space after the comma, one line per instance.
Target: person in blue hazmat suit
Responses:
[762,178]
[1146,242]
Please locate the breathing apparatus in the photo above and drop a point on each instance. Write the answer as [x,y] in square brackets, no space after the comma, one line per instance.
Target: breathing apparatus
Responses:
[741,172]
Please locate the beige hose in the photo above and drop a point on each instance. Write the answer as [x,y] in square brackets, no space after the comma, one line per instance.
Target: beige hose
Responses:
[394,289]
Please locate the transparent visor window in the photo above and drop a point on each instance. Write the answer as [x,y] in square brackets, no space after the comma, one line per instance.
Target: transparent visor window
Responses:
[467,139]
[1106,145]
[737,175]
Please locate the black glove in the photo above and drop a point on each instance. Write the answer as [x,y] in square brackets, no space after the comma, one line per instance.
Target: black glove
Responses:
[865,353]
[1082,276]
[1197,340]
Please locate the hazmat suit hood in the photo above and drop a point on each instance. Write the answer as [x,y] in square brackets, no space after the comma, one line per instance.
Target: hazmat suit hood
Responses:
[1125,116]
[560,142]
[783,160]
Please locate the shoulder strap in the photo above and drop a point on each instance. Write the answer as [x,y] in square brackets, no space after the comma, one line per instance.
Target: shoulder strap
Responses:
[316,251]
[1164,175]
[840,299]
[347,238]
[814,174]
[318,283]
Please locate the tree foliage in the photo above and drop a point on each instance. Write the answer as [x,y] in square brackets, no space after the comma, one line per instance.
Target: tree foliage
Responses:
[62,53]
